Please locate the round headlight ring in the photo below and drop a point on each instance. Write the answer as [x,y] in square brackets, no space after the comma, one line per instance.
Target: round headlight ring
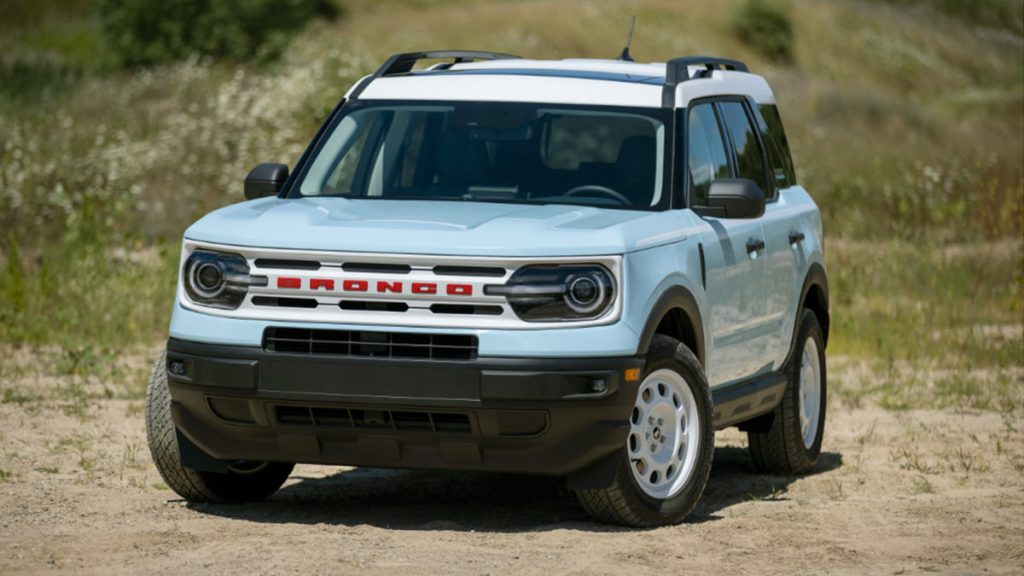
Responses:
[585,294]
[207,279]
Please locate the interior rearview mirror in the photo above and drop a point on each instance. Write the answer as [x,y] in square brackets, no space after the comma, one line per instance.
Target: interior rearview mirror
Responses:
[733,198]
[265,180]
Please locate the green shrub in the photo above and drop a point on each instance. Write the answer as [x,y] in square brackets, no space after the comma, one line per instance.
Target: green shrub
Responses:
[143,32]
[765,25]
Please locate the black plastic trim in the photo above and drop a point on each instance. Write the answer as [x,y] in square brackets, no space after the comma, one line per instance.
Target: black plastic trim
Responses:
[816,277]
[404,62]
[748,399]
[674,297]
[580,421]
[703,267]
[677,71]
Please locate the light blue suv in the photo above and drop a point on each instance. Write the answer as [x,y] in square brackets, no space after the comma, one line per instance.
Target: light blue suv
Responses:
[579,268]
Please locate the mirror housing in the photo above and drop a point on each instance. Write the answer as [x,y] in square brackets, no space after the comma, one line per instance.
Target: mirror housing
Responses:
[265,180]
[733,198]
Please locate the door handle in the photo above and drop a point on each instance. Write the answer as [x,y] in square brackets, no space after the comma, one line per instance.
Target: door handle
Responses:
[755,245]
[795,237]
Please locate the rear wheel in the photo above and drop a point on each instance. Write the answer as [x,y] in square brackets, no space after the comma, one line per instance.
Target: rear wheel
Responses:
[244,481]
[792,444]
[669,448]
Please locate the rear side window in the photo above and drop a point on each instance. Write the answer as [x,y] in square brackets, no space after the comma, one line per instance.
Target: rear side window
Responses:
[774,136]
[750,163]
[706,159]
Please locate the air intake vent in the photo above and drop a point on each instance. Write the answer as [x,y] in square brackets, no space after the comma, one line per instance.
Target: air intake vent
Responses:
[284,302]
[466,309]
[373,268]
[370,344]
[287,264]
[492,272]
[404,420]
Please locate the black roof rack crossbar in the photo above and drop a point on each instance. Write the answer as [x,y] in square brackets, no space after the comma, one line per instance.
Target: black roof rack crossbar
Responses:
[677,71]
[403,63]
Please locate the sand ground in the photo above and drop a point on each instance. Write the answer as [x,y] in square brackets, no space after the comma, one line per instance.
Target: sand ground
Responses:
[896,492]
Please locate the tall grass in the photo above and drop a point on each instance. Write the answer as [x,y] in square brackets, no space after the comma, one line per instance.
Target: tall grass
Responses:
[907,127]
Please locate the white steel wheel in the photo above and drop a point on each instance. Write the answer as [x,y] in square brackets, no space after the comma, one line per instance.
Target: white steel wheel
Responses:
[810,392]
[664,466]
[664,434]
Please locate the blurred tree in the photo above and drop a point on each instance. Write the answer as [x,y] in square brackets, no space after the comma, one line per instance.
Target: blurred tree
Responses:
[144,32]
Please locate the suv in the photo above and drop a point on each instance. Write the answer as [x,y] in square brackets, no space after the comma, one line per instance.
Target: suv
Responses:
[578,268]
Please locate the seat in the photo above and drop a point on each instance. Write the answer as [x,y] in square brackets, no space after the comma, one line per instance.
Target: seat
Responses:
[635,169]
[460,161]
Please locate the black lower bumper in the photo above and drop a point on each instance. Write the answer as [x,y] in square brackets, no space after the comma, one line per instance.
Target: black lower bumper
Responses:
[542,416]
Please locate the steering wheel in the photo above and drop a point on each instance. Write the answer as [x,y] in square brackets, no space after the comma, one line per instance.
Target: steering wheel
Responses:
[579,190]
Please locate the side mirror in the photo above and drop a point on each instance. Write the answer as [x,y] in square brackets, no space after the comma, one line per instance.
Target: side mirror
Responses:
[265,180]
[733,198]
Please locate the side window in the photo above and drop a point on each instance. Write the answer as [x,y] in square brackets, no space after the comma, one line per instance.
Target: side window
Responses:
[774,136]
[706,158]
[750,162]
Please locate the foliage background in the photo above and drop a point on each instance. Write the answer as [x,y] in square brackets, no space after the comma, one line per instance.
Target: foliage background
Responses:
[906,119]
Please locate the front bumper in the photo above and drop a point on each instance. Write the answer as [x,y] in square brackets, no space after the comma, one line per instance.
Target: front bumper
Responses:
[543,416]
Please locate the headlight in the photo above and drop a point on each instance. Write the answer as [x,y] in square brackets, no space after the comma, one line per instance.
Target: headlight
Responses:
[558,293]
[218,280]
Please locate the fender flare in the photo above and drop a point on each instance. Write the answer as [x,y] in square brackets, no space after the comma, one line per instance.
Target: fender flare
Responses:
[674,297]
[815,278]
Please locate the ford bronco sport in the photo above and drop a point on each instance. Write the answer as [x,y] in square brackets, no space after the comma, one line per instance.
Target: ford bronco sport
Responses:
[578,268]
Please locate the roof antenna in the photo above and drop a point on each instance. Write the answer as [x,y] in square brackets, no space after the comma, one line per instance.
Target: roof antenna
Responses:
[625,56]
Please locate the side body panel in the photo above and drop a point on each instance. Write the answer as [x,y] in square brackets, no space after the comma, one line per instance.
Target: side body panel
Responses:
[793,242]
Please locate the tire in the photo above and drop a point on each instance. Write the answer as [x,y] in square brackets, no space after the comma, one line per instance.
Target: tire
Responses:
[786,446]
[673,380]
[244,481]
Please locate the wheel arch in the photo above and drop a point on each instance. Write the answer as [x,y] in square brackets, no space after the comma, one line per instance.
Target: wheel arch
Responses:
[813,296]
[676,314]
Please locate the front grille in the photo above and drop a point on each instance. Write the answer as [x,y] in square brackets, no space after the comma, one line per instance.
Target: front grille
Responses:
[370,344]
[287,264]
[403,420]
[284,302]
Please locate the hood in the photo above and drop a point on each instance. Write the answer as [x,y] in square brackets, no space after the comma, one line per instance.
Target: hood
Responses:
[436,227]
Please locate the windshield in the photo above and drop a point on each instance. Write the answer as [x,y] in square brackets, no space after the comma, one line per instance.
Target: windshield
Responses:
[493,152]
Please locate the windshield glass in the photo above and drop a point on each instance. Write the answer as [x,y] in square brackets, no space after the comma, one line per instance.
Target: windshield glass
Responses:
[493,152]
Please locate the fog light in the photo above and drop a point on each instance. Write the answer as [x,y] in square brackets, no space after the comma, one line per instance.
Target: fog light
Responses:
[176,367]
[599,386]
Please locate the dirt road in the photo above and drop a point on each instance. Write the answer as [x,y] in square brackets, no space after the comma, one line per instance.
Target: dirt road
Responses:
[901,492]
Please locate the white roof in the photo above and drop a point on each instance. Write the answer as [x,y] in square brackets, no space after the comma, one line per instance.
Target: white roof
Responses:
[585,81]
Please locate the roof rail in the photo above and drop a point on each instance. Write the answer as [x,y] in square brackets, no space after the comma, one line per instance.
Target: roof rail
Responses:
[677,71]
[403,63]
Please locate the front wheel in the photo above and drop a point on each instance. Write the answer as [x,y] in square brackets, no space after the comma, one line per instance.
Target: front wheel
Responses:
[243,481]
[669,448]
[792,444]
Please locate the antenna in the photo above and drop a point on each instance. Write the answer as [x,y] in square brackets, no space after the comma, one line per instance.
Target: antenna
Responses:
[625,56]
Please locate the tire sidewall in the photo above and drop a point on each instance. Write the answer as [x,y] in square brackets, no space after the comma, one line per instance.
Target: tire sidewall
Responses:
[809,329]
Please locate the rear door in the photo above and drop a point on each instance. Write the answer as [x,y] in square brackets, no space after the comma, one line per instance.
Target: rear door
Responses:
[734,274]
[784,241]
